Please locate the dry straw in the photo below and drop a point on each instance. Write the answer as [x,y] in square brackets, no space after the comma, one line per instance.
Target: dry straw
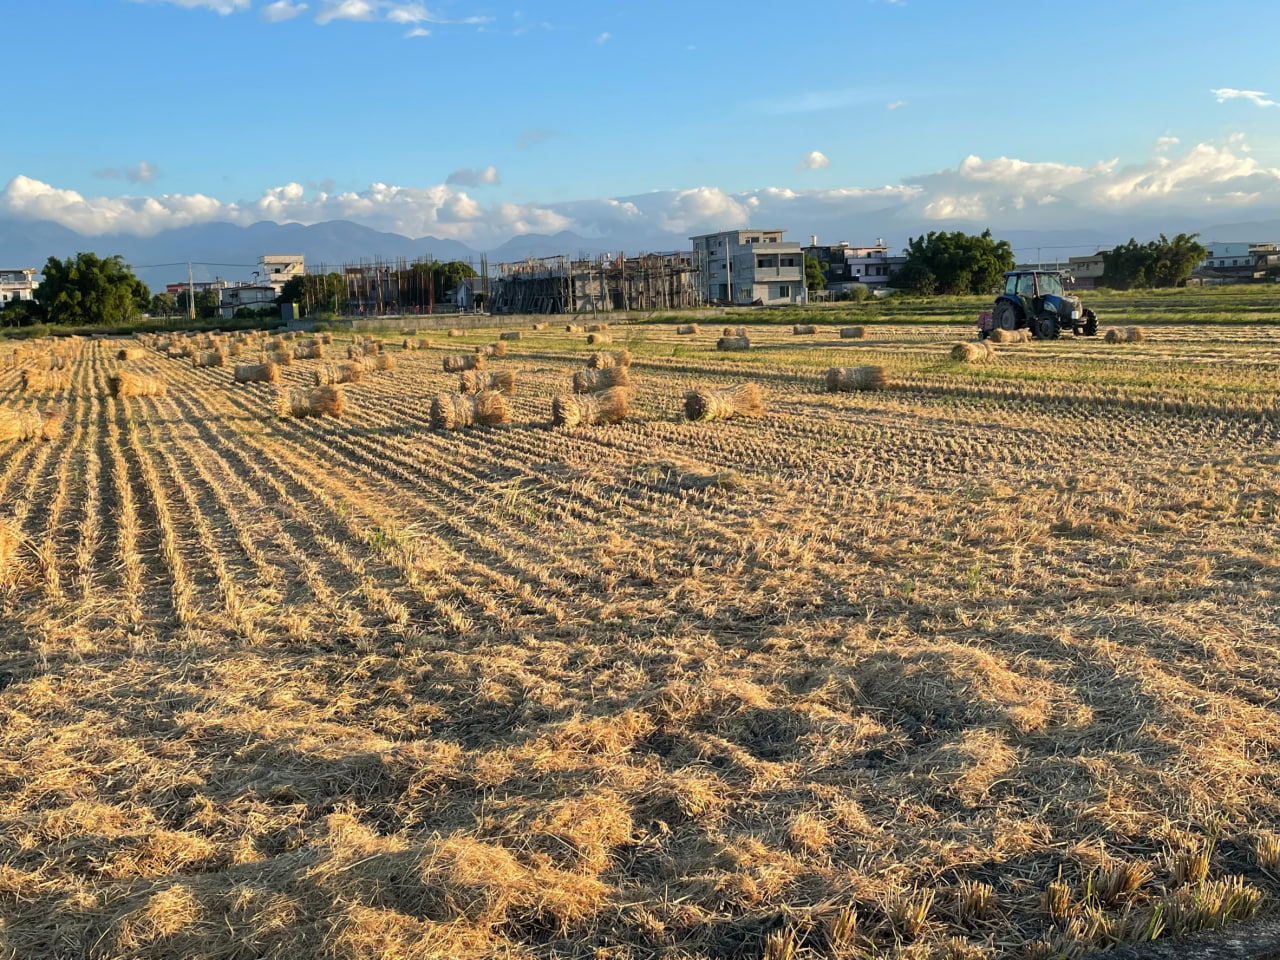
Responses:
[597,327]
[326,339]
[282,357]
[1125,335]
[456,363]
[330,373]
[452,411]
[383,361]
[734,332]
[971,352]
[605,378]
[708,404]
[34,381]
[594,338]
[124,384]
[209,358]
[477,381]
[853,333]
[314,352]
[416,344]
[355,352]
[574,328]
[849,379]
[609,406]
[511,335]
[1001,335]
[257,373]
[455,332]
[131,353]
[541,326]
[498,349]
[326,401]
[609,358]
[31,424]
[686,328]
[10,539]
[733,343]
[804,329]
[275,343]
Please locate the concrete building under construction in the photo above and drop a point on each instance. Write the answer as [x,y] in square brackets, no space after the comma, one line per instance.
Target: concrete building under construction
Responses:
[653,281]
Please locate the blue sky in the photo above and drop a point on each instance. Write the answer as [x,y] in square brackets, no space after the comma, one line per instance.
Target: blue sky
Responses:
[478,120]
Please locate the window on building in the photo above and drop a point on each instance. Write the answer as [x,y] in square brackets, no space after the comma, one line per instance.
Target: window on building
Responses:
[766,262]
[784,290]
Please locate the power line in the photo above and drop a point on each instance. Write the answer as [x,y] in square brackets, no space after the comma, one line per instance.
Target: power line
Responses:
[183,263]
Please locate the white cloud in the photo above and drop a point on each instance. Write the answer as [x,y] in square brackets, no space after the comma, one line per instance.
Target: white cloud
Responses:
[417,32]
[280,11]
[467,177]
[223,7]
[141,172]
[1164,143]
[896,104]
[703,208]
[604,37]
[1254,96]
[814,160]
[347,10]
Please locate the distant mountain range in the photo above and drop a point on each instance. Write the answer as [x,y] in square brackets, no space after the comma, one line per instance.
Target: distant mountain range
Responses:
[231,252]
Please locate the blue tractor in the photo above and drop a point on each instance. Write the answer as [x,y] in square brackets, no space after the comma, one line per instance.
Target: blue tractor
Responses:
[1034,300]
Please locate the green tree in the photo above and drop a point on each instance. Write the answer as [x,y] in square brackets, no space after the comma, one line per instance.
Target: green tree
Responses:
[1159,263]
[293,291]
[814,276]
[207,304]
[21,313]
[163,305]
[87,289]
[954,263]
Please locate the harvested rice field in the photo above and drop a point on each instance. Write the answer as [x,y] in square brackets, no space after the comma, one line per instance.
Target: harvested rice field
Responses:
[981,663]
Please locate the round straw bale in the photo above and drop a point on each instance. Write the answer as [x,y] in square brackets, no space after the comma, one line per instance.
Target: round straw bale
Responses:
[314,352]
[592,381]
[131,353]
[283,357]
[457,362]
[722,404]
[275,343]
[383,362]
[848,379]
[451,411]
[595,338]
[968,351]
[1001,335]
[256,373]
[597,327]
[125,384]
[326,339]
[853,333]
[609,358]
[349,372]
[325,401]
[209,358]
[686,328]
[541,326]
[455,332]
[608,406]
[733,343]
[32,424]
[804,329]
[35,381]
[477,381]
[511,335]
[574,328]
[498,349]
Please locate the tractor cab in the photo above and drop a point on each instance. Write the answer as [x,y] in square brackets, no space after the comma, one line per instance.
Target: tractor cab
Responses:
[1035,300]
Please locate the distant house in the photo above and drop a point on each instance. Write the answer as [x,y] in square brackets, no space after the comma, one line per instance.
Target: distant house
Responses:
[17,283]
[1237,262]
[1086,271]
[277,269]
[846,266]
[750,266]
[246,296]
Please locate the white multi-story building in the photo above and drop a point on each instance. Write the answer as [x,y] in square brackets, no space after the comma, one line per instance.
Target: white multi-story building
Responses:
[277,269]
[750,266]
[246,296]
[19,283]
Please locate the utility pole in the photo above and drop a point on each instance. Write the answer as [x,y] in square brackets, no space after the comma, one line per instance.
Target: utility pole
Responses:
[191,293]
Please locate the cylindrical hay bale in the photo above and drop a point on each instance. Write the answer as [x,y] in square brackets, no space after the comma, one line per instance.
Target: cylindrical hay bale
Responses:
[970,352]
[608,406]
[455,332]
[686,328]
[275,343]
[176,353]
[1001,335]
[407,331]
[35,381]
[734,332]
[574,328]
[451,411]
[131,353]
[326,401]
[235,349]
[457,362]
[852,333]
[733,343]
[848,379]
[593,381]
[355,352]
[511,335]
[282,357]
[124,384]
[415,344]
[609,358]
[308,353]
[477,381]
[708,404]
[31,424]
[328,373]
[595,338]
[257,373]
[803,329]
[326,339]
[1134,335]
[597,327]
[209,358]
[498,349]
[541,326]
[383,361]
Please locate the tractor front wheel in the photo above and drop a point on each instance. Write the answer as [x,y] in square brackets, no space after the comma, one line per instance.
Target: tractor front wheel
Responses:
[1046,328]
[1005,317]
[1090,324]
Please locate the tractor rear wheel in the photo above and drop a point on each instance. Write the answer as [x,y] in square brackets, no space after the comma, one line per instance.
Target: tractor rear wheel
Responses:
[1005,317]
[1090,324]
